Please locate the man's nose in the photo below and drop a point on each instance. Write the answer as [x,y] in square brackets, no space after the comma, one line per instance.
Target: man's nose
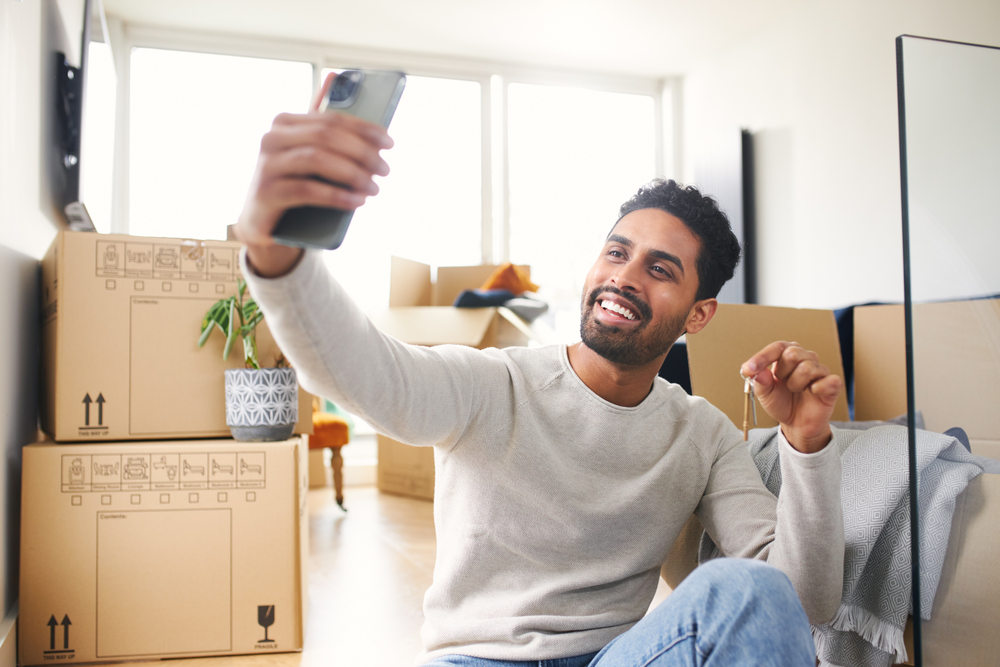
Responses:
[626,277]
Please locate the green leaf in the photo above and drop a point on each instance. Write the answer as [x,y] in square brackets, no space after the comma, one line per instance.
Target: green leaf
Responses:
[217,316]
[252,324]
[230,331]
[213,313]
[250,352]
[206,332]
[250,310]
[237,315]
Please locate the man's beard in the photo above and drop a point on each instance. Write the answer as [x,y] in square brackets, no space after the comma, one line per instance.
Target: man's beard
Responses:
[634,348]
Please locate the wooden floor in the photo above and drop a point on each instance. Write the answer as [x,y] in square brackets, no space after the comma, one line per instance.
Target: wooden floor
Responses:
[368,570]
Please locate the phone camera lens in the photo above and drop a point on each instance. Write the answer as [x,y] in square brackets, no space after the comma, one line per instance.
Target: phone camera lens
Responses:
[345,86]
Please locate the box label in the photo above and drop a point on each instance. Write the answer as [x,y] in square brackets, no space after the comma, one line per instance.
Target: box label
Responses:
[83,473]
[189,260]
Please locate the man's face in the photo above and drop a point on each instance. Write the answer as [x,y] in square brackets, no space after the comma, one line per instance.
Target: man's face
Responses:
[640,292]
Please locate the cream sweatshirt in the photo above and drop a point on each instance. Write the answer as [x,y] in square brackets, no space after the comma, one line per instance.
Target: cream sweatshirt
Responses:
[554,508]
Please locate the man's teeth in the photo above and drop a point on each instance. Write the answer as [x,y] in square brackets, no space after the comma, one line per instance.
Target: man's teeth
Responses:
[615,308]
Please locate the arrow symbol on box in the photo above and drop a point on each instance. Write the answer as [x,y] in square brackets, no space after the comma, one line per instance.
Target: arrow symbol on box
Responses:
[87,400]
[53,624]
[100,409]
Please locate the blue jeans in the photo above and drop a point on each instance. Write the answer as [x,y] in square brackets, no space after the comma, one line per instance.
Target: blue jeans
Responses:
[727,612]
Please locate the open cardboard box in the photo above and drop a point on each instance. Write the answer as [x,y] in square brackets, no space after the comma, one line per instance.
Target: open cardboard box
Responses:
[420,312]
[121,317]
[956,369]
[156,549]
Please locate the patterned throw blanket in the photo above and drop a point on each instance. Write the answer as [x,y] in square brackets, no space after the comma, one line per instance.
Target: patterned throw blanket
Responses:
[868,627]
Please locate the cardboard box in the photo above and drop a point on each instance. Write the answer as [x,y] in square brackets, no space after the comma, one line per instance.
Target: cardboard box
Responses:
[162,549]
[317,469]
[737,332]
[420,312]
[121,317]
[956,358]
[404,469]
[412,283]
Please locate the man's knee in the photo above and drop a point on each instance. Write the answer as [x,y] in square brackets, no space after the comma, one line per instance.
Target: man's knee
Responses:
[751,578]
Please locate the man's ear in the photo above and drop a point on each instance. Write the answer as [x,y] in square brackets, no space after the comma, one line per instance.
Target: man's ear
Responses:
[700,315]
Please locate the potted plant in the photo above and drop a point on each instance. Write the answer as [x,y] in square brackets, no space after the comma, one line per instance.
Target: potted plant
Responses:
[261,403]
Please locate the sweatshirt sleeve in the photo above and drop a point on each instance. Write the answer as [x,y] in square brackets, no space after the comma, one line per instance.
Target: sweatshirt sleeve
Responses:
[419,395]
[809,536]
[801,532]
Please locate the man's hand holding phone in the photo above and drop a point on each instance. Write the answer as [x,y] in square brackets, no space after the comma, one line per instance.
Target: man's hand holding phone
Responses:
[321,158]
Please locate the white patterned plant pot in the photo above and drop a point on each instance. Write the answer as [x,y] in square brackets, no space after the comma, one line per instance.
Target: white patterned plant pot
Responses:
[261,404]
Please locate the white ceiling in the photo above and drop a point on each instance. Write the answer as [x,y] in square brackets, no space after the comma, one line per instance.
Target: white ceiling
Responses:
[638,37]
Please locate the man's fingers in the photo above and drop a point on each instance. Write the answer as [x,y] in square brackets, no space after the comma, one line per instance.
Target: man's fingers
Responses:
[319,159]
[803,374]
[828,388]
[283,193]
[321,93]
[312,162]
[797,390]
[336,134]
[314,159]
[370,132]
[764,358]
[797,368]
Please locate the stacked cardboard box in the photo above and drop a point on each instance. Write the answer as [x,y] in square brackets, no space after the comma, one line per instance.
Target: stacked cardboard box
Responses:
[120,322]
[145,531]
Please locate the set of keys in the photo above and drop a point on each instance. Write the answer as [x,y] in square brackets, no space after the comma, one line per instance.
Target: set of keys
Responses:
[749,406]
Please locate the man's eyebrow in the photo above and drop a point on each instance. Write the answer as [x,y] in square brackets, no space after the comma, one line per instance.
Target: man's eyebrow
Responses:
[659,254]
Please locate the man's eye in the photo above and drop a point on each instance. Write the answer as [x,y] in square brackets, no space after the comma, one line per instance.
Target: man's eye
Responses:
[663,273]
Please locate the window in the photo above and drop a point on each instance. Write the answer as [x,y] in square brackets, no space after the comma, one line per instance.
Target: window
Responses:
[97,136]
[429,207]
[484,168]
[196,123]
[575,155]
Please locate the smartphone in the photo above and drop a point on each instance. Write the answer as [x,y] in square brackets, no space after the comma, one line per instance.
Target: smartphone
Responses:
[368,94]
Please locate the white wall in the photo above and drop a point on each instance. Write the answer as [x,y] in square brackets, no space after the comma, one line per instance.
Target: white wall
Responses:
[818,91]
[25,233]
[24,225]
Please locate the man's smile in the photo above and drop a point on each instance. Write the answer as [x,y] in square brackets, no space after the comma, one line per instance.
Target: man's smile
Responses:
[613,307]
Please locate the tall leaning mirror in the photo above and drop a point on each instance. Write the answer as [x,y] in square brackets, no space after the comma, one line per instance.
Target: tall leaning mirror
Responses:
[949,112]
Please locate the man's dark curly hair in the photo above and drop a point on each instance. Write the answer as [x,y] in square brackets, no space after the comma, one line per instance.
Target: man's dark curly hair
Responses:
[720,250]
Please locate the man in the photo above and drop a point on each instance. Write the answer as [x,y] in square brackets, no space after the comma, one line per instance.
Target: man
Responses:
[564,473]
